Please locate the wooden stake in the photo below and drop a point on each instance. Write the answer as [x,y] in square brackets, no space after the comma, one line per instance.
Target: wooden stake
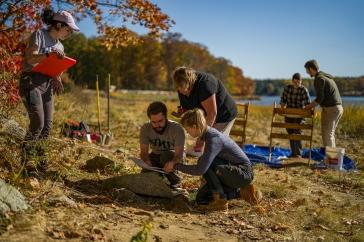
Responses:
[108,104]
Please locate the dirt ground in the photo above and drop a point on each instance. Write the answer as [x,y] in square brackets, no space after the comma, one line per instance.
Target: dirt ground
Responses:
[300,204]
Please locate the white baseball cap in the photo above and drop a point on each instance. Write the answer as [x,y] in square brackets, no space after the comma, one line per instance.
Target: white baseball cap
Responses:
[66,17]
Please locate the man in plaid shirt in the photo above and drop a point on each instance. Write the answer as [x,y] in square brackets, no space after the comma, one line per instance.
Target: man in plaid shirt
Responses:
[295,96]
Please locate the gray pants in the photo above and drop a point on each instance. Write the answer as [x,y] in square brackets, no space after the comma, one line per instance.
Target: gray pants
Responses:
[330,117]
[37,94]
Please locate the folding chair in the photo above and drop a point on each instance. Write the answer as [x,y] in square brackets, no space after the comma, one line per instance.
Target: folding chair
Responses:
[239,127]
[308,115]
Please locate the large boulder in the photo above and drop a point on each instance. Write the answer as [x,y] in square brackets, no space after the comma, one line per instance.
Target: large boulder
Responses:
[145,183]
[11,199]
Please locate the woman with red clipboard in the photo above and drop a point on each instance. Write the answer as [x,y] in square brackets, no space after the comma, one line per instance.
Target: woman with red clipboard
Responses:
[37,89]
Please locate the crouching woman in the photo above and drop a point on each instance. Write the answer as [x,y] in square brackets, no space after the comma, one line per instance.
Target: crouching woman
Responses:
[223,165]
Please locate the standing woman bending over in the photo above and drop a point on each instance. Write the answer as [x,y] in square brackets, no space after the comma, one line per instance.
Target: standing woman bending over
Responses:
[223,165]
[203,90]
[37,89]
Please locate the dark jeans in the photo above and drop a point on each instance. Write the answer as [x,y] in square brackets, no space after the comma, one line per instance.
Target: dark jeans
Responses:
[224,178]
[36,92]
[159,160]
[296,145]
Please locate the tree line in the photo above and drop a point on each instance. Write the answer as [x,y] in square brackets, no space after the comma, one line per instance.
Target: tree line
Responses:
[348,86]
[149,64]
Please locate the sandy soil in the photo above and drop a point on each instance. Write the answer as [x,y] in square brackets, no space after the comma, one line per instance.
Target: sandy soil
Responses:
[300,204]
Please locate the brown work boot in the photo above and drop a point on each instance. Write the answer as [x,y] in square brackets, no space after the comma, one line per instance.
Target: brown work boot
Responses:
[251,194]
[216,204]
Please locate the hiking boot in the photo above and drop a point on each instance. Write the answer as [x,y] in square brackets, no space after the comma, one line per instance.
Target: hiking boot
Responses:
[217,203]
[251,194]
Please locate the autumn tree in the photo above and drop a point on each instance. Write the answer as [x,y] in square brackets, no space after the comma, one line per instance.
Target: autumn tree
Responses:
[150,63]
[18,18]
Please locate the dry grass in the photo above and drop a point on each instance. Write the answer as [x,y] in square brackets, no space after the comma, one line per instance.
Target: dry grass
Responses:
[299,204]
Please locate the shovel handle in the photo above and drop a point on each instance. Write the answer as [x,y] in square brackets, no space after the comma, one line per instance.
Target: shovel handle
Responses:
[98,103]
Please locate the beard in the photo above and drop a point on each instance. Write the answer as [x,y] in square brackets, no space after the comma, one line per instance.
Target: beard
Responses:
[160,130]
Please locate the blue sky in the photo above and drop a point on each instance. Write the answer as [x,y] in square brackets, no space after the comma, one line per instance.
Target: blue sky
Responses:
[272,38]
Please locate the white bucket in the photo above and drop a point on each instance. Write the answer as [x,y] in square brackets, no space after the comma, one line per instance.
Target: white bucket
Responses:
[334,157]
[88,138]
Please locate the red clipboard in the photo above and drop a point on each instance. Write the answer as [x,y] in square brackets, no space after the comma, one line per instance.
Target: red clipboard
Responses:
[53,66]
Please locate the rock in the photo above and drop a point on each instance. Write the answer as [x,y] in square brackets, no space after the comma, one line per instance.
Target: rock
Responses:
[125,195]
[12,128]
[179,203]
[98,163]
[146,183]
[62,200]
[11,199]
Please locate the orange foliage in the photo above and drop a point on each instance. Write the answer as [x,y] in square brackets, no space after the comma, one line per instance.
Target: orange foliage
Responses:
[19,18]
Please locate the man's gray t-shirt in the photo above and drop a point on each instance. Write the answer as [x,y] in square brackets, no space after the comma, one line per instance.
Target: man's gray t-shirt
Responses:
[44,42]
[173,135]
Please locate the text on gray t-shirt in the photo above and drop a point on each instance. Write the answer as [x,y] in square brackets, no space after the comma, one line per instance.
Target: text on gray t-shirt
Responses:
[173,136]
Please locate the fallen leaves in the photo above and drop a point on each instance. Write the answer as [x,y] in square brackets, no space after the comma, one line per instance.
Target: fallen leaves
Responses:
[279,227]
[34,183]
[63,234]
[323,227]
[231,224]
[143,213]
[343,232]
[261,210]
[299,202]
[350,221]
[232,231]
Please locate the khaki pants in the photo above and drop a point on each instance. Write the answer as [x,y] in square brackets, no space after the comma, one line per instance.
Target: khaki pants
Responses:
[330,117]
[224,128]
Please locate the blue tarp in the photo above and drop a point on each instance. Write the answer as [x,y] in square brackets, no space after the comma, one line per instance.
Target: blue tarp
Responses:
[260,154]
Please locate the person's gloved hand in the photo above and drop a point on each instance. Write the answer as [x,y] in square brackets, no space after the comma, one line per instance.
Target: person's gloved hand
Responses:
[57,85]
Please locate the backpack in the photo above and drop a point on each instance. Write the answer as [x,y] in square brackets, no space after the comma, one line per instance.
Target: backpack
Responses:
[78,130]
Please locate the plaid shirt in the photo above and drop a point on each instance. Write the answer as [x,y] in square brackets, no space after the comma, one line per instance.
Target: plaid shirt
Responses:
[295,97]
